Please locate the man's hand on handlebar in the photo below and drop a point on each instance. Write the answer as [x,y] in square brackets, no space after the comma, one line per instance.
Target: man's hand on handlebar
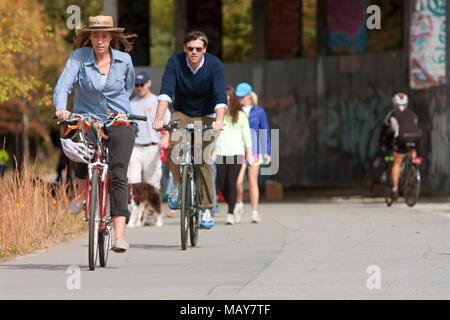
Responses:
[217,125]
[158,125]
[62,114]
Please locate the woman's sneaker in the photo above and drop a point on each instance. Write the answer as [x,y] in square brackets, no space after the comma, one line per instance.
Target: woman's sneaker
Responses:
[173,198]
[255,217]
[238,210]
[230,218]
[207,221]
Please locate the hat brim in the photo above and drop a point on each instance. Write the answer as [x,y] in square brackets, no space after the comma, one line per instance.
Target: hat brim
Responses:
[141,81]
[77,31]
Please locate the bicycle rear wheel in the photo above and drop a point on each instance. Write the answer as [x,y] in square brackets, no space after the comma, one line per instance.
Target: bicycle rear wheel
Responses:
[105,238]
[412,189]
[185,206]
[94,219]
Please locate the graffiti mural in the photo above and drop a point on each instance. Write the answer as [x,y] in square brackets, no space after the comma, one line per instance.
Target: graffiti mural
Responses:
[347,32]
[428,43]
[353,123]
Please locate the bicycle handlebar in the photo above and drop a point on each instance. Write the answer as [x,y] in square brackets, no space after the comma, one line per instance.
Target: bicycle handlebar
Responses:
[136,117]
[189,127]
[129,116]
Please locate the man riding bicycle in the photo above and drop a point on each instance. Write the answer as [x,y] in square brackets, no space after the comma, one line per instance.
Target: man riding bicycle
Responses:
[401,132]
[197,80]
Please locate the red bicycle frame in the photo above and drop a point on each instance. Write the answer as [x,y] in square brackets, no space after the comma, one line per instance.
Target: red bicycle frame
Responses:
[104,187]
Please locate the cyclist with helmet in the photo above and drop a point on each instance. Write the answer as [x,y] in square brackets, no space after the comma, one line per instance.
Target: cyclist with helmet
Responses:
[402,125]
[104,78]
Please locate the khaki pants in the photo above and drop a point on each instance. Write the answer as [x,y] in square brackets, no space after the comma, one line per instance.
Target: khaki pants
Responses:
[204,179]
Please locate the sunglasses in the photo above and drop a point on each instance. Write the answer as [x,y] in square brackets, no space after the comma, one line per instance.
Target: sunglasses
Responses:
[138,85]
[190,49]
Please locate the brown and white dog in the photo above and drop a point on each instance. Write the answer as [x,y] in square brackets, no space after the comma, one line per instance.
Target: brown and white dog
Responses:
[143,197]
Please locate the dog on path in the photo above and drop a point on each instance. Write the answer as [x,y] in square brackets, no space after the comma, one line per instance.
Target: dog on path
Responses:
[142,198]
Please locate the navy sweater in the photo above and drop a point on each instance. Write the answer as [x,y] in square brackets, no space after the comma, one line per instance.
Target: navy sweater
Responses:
[195,94]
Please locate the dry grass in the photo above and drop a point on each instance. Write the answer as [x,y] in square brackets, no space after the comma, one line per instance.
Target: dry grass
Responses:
[31,218]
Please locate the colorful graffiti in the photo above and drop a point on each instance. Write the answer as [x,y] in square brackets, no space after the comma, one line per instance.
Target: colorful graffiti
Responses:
[428,39]
[344,132]
[352,125]
[347,32]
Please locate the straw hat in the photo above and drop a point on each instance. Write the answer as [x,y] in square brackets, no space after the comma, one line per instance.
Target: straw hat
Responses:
[101,23]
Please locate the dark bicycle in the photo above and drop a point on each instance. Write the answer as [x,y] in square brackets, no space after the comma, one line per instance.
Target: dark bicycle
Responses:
[98,207]
[409,182]
[189,211]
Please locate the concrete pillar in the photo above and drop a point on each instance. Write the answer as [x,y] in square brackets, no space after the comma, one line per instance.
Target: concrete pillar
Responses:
[110,8]
[259,30]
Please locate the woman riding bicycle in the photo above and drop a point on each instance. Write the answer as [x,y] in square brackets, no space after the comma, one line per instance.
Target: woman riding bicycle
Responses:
[403,126]
[104,78]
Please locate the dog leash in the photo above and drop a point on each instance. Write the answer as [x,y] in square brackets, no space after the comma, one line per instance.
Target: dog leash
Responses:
[133,196]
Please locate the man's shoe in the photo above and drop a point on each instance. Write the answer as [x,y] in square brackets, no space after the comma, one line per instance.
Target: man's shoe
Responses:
[173,198]
[207,221]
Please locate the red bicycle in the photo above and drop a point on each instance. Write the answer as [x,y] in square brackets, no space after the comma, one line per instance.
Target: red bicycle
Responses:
[95,154]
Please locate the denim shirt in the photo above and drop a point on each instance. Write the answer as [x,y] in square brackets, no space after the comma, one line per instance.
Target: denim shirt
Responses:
[91,98]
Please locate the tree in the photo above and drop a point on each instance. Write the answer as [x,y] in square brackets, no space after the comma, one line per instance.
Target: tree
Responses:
[237,30]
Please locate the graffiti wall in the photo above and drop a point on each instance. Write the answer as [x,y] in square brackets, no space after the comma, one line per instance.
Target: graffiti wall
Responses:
[347,32]
[428,43]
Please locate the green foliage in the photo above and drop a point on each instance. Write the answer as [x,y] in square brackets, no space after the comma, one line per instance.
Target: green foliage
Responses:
[161,31]
[237,30]
[309,25]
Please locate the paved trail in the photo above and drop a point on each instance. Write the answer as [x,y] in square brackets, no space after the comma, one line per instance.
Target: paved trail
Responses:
[321,250]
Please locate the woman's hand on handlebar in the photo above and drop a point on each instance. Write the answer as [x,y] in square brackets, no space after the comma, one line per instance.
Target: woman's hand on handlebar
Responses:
[62,114]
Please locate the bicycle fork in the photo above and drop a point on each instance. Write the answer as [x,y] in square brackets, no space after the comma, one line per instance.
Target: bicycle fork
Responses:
[104,184]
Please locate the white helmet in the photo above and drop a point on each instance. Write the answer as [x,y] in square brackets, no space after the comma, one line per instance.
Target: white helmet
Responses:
[400,99]
[77,151]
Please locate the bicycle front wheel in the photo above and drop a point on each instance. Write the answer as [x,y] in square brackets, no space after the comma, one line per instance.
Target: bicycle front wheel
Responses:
[94,219]
[105,238]
[185,206]
[194,226]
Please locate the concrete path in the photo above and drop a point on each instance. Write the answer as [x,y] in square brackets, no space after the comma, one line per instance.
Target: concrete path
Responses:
[337,249]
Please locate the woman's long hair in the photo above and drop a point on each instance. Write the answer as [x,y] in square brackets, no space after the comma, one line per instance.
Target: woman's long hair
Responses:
[118,38]
[233,105]
[254,98]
